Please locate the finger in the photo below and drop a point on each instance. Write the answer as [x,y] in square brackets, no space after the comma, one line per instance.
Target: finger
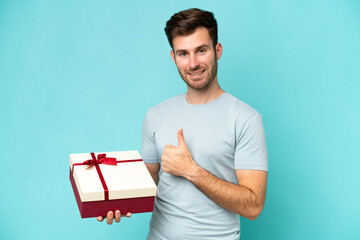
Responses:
[128,214]
[100,218]
[117,216]
[180,137]
[163,157]
[168,147]
[110,217]
[164,162]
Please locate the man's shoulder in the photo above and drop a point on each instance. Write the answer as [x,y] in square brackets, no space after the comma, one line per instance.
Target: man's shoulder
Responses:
[238,106]
[166,105]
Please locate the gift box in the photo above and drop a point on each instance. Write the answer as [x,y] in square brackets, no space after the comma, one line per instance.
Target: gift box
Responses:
[111,181]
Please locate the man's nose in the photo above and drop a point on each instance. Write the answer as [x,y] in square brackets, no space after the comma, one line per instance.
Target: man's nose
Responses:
[194,63]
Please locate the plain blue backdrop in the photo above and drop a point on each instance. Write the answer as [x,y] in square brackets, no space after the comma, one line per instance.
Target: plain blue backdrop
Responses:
[79,76]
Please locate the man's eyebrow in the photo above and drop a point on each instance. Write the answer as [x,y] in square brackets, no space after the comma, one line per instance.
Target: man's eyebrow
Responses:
[184,50]
[203,46]
[180,51]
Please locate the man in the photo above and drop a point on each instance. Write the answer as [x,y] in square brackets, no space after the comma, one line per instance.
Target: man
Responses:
[206,149]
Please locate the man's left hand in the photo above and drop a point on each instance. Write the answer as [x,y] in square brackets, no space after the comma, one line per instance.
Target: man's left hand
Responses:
[178,160]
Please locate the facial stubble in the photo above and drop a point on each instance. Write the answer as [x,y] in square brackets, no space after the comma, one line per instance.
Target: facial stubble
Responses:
[207,83]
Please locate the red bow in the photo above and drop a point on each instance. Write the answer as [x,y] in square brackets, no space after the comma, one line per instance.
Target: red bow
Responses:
[101,159]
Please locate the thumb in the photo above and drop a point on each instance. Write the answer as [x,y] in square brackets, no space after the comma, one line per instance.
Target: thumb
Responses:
[180,137]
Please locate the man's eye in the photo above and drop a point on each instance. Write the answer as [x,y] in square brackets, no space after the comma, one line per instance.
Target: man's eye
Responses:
[183,54]
[202,51]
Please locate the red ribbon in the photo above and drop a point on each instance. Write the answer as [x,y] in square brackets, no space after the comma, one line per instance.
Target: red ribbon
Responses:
[102,159]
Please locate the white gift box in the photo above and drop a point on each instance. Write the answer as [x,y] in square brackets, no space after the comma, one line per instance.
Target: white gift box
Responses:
[129,185]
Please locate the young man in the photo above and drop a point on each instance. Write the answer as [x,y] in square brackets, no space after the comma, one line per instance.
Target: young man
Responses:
[205,148]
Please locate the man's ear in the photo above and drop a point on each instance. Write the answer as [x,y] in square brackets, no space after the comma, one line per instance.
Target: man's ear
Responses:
[218,49]
[173,55]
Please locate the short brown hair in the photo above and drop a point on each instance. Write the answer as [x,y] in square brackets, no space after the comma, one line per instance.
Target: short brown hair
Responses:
[187,21]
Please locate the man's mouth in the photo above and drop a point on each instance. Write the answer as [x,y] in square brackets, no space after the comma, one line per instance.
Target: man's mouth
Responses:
[198,73]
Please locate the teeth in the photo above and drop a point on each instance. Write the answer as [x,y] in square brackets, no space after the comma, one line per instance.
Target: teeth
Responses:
[195,74]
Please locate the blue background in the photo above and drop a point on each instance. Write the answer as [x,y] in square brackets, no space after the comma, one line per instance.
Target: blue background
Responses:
[79,76]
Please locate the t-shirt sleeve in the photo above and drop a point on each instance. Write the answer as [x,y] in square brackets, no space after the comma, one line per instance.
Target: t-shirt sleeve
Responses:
[250,151]
[149,151]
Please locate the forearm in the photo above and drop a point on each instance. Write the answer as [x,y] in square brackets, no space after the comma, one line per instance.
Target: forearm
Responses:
[233,197]
[153,169]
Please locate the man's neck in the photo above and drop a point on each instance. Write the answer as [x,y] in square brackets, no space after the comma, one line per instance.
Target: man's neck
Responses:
[196,97]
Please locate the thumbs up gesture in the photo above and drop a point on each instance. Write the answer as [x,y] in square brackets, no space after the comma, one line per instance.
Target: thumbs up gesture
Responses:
[178,160]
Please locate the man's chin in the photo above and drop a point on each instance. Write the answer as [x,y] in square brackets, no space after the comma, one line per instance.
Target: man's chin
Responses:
[197,85]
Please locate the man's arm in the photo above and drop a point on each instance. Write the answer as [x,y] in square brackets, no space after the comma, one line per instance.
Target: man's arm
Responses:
[246,198]
[153,169]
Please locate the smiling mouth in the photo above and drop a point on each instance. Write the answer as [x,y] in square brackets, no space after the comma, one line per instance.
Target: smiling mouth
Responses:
[196,73]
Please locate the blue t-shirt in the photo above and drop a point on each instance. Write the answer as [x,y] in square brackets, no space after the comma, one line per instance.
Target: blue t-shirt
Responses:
[222,135]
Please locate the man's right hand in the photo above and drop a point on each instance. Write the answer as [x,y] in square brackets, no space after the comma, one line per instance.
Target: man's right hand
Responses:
[110,217]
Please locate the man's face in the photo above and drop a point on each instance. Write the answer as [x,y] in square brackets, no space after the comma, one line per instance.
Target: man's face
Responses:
[196,58]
